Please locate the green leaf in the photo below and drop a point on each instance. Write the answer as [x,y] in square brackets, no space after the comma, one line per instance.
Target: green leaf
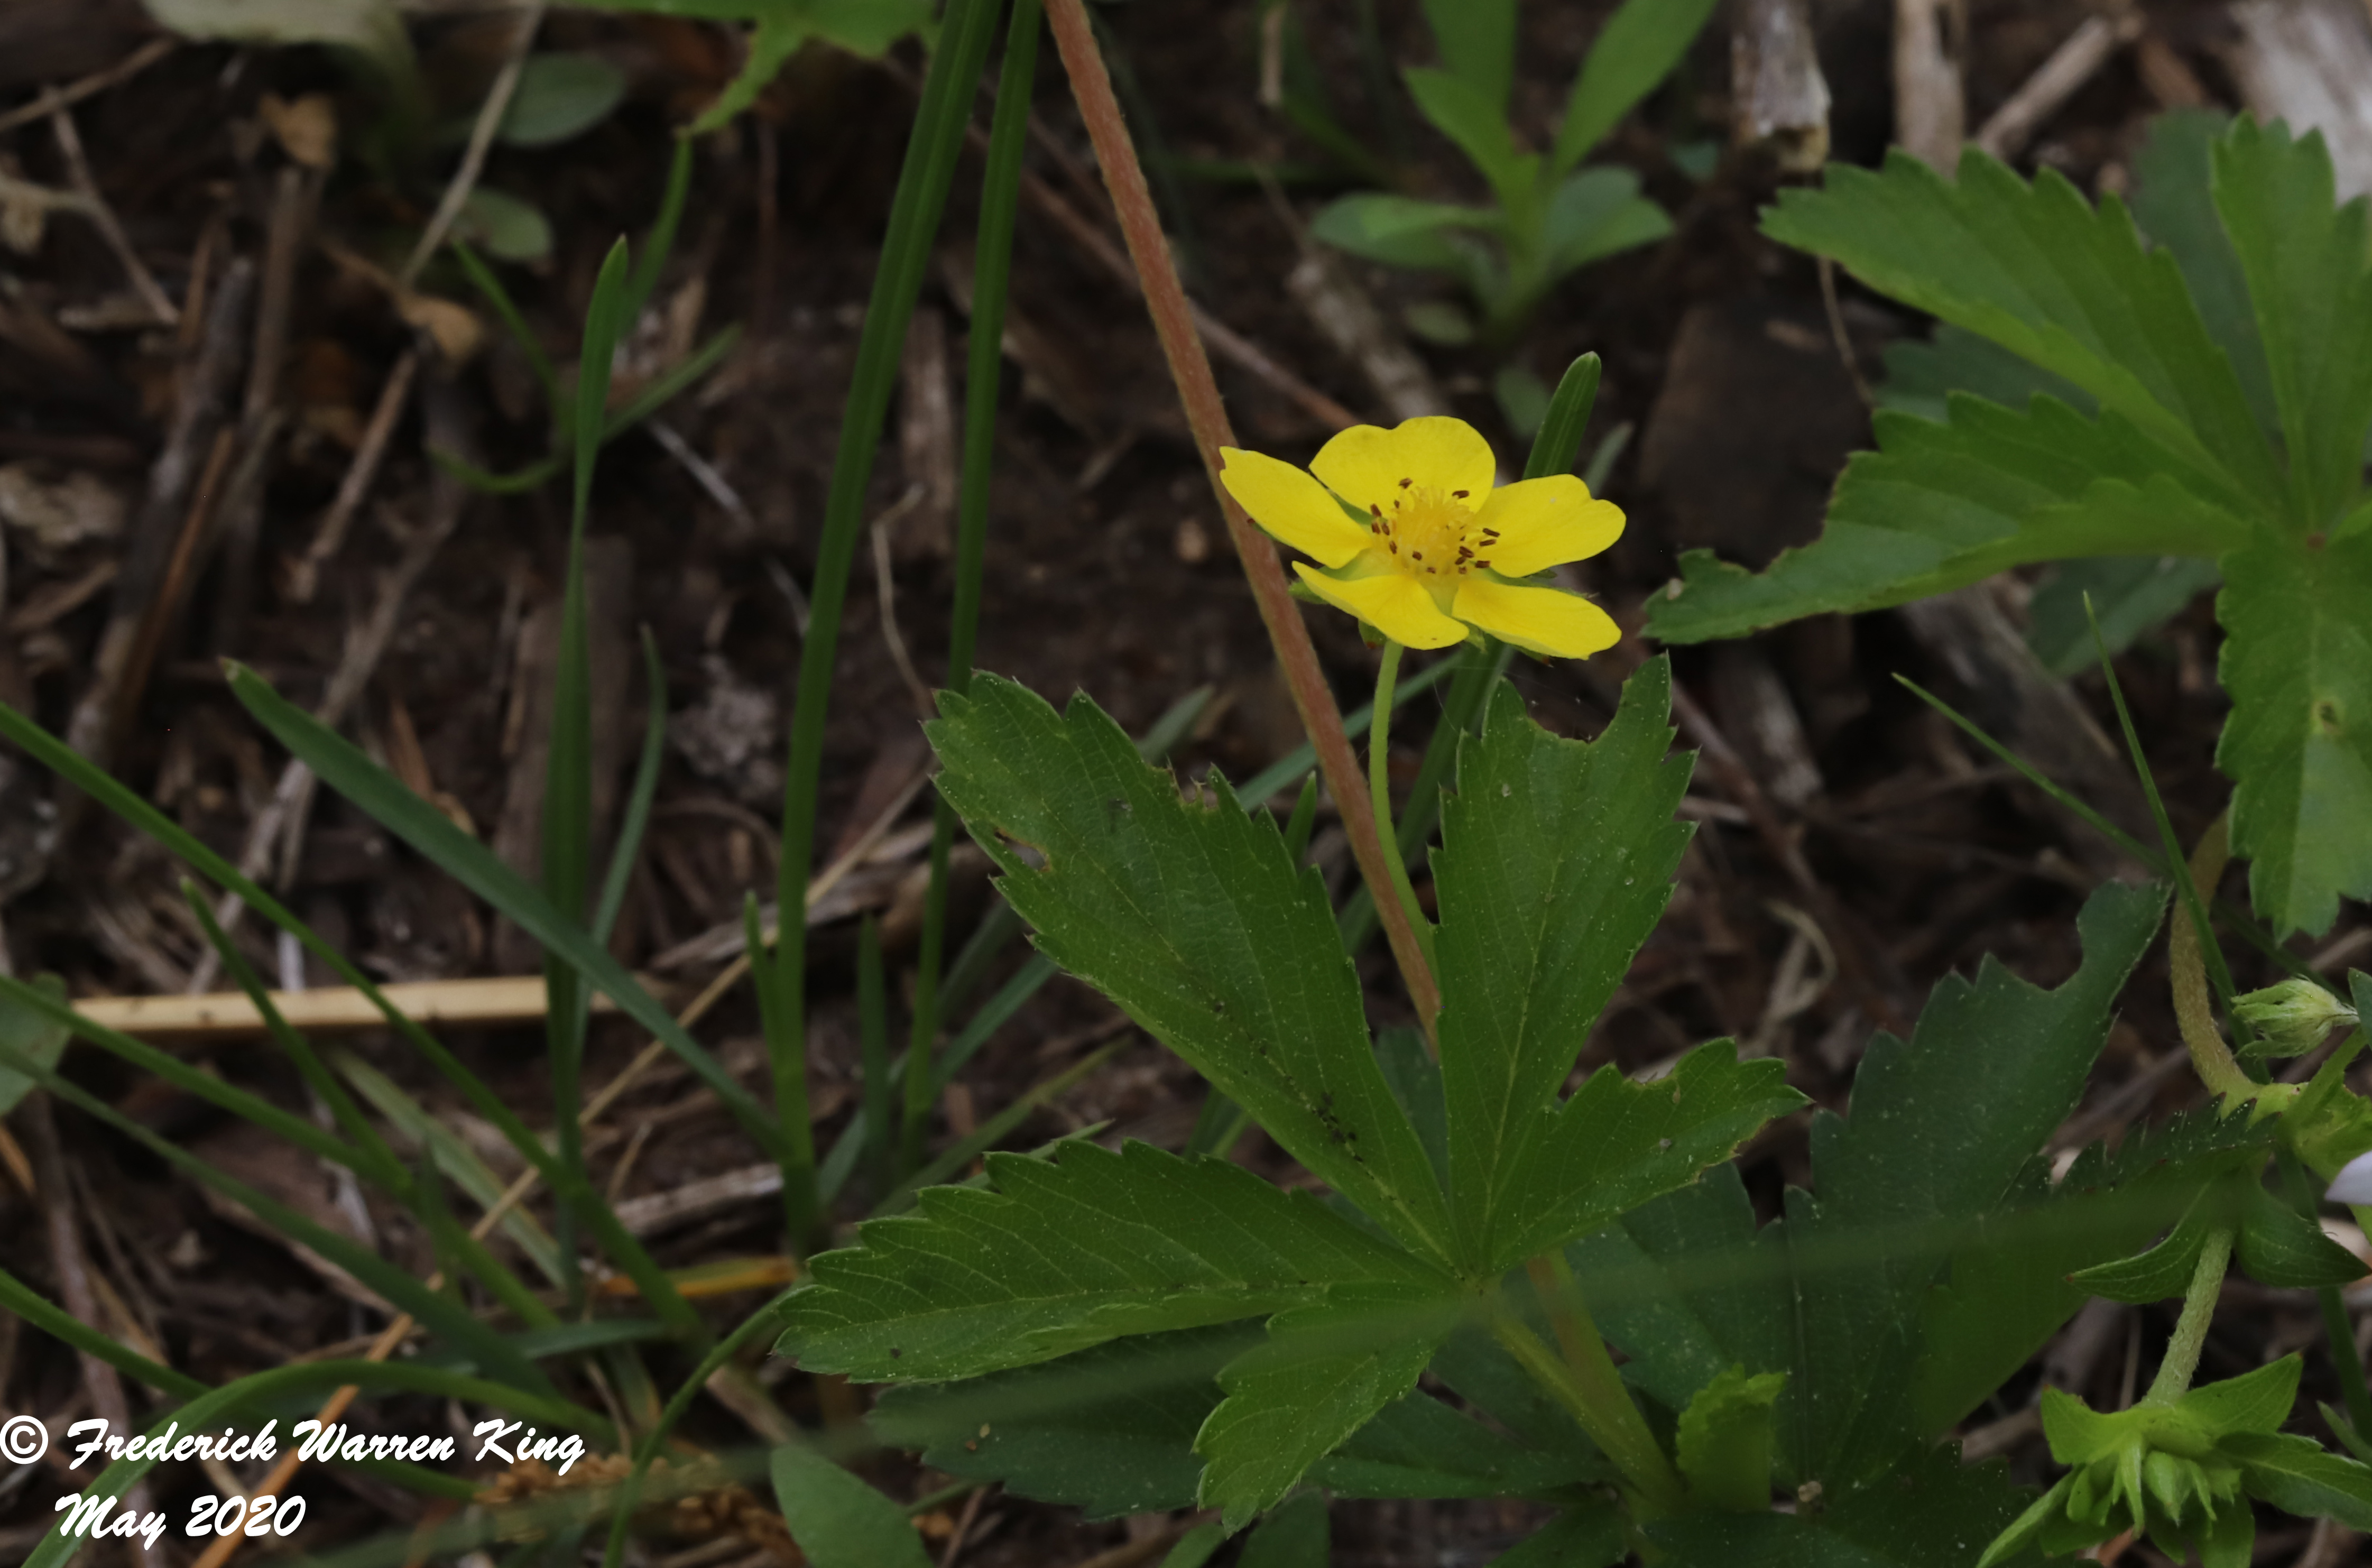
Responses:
[1199,925]
[1110,1431]
[2162,1272]
[1197,1546]
[1595,214]
[1420,1447]
[1635,52]
[1324,1372]
[1932,1513]
[2010,1289]
[1556,860]
[1940,1129]
[2296,1474]
[2280,1248]
[1478,45]
[2174,202]
[40,1038]
[505,227]
[1461,112]
[2254,1401]
[2064,285]
[837,1520]
[1724,1447]
[1592,1537]
[1938,506]
[1941,1135]
[2129,595]
[2298,747]
[1402,231]
[1920,377]
[1296,1536]
[559,96]
[2308,263]
[1070,1251]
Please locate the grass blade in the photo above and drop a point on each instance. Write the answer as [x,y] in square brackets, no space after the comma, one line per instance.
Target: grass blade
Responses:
[930,157]
[1000,200]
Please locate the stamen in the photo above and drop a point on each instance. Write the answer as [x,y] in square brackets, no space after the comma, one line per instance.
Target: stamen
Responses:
[1462,494]
[1405,484]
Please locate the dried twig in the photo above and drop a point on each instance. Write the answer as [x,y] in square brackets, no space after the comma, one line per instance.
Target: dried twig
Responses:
[95,206]
[304,577]
[1174,321]
[224,1014]
[2070,65]
[98,82]
[473,157]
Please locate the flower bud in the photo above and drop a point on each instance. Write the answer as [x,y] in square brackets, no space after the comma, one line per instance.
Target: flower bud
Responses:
[2290,1019]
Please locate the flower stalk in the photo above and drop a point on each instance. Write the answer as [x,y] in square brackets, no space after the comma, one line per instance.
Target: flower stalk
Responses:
[1198,389]
[2181,1363]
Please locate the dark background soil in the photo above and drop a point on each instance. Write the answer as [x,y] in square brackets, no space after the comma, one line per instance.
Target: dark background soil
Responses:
[1108,572]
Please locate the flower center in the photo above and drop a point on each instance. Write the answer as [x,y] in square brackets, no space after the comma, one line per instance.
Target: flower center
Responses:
[1432,534]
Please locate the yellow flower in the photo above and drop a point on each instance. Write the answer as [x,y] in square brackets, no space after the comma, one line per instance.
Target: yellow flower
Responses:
[1442,549]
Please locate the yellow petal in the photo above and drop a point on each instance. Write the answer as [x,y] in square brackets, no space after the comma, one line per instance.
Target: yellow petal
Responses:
[1366,464]
[1290,506]
[1391,601]
[1544,523]
[1539,621]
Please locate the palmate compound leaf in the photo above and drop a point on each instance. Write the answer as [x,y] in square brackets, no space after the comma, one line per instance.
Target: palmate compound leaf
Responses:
[1112,1431]
[2308,265]
[1324,1372]
[2297,662]
[1196,921]
[1940,1134]
[1938,506]
[2055,280]
[1070,1251]
[1934,1512]
[1557,858]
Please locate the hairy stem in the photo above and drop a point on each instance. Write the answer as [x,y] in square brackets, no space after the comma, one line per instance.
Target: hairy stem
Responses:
[1585,1382]
[1190,368]
[2194,1009]
[2181,1363]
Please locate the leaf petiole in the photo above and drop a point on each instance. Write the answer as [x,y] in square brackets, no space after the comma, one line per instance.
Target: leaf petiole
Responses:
[1585,1382]
[2181,1363]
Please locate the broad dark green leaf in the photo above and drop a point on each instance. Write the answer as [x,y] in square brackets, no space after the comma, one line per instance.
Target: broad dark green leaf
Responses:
[2298,747]
[1941,1135]
[1421,1448]
[2174,202]
[1324,1372]
[2128,595]
[1067,1252]
[2299,1475]
[1591,1537]
[2008,1290]
[1196,921]
[1921,376]
[2309,264]
[1933,1513]
[1940,1129]
[1938,506]
[1110,1431]
[1298,1535]
[1635,52]
[837,1520]
[2058,282]
[1556,859]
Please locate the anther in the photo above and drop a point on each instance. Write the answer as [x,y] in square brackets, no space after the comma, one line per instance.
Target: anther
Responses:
[1405,484]
[1462,494]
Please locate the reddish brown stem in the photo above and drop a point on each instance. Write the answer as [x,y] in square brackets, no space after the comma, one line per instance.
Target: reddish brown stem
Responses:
[1173,319]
